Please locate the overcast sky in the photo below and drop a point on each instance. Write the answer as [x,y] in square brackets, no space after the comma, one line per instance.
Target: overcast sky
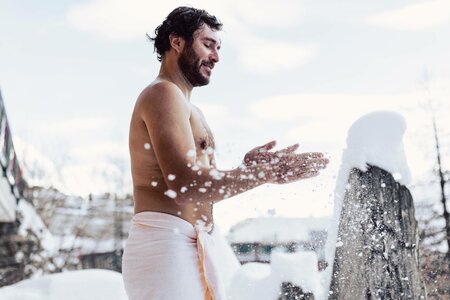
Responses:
[294,71]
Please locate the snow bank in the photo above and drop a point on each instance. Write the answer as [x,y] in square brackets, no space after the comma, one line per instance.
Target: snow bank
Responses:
[74,285]
[263,281]
[374,139]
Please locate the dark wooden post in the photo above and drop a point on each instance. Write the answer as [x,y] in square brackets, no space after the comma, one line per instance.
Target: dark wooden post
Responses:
[377,255]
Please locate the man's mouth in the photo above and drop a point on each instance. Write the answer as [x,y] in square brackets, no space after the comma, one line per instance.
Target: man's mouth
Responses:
[209,66]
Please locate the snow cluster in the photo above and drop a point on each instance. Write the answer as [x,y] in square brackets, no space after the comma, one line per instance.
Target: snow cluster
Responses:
[376,139]
[263,281]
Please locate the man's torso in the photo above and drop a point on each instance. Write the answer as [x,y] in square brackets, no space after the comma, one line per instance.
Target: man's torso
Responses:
[149,186]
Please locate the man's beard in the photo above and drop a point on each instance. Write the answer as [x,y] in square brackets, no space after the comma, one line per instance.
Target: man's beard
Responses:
[189,63]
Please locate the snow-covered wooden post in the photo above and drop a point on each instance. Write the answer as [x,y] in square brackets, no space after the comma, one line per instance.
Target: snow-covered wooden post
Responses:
[374,241]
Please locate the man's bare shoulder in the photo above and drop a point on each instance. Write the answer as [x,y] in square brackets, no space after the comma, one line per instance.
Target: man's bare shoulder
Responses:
[161,94]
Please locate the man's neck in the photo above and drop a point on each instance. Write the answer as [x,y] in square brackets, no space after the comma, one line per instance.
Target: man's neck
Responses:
[171,71]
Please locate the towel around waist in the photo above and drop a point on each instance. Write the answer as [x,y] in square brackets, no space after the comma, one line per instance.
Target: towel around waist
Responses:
[166,221]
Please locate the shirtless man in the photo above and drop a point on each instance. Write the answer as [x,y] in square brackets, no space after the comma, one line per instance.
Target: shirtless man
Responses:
[172,148]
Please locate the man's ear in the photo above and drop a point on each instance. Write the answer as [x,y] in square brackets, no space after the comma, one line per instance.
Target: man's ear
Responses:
[176,42]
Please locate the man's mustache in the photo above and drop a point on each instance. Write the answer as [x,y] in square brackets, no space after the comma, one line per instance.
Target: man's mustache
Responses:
[209,64]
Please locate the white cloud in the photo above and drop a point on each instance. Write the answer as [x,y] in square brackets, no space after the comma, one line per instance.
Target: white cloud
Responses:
[214,110]
[269,56]
[130,20]
[321,131]
[334,114]
[118,19]
[302,106]
[106,150]
[270,13]
[416,16]
[221,118]
[67,127]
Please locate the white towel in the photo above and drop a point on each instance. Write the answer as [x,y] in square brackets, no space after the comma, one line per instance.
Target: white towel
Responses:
[167,258]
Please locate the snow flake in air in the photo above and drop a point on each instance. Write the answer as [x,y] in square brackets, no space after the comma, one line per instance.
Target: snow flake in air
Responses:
[170,193]
[191,153]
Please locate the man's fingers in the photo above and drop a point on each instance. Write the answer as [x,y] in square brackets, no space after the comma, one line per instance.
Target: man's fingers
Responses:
[310,174]
[317,164]
[290,149]
[310,155]
[321,162]
[297,160]
[287,151]
[269,145]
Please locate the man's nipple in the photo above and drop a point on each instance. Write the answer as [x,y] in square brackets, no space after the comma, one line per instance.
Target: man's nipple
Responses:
[203,144]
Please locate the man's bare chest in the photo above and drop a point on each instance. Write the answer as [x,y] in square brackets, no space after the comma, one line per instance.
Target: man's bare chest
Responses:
[204,139]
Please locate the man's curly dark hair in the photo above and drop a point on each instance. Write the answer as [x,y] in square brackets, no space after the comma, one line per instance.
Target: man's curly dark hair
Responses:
[182,21]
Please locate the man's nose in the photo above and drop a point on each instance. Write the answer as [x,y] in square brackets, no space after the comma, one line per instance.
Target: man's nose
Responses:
[215,56]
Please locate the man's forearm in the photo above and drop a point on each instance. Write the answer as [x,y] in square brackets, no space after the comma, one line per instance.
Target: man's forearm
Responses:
[214,185]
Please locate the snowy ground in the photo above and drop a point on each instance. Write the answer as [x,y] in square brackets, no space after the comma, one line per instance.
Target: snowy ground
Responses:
[75,285]
[251,281]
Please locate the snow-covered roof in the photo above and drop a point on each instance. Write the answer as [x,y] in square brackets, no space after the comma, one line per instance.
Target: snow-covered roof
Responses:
[32,221]
[275,229]
[7,202]
[83,245]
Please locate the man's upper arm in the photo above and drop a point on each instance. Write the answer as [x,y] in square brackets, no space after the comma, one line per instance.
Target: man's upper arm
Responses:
[166,114]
